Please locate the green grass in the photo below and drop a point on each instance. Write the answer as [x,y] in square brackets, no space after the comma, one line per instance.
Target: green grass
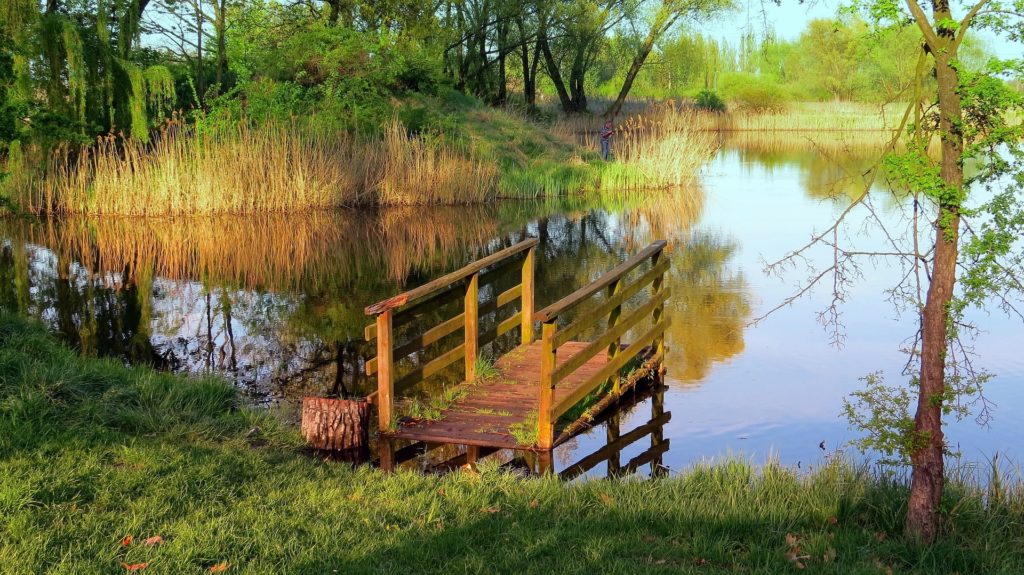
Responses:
[91,452]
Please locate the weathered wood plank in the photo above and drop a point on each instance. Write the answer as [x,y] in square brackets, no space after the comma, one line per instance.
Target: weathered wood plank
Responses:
[575,328]
[634,317]
[420,342]
[430,368]
[554,310]
[448,279]
[611,368]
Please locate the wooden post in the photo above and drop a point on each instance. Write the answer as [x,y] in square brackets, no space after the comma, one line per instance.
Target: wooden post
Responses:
[527,297]
[385,372]
[545,463]
[545,407]
[472,455]
[387,454]
[613,319]
[615,456]
[472,327]
[658,435]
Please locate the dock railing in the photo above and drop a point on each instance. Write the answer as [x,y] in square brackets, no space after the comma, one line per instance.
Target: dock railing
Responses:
[409,306]
[618,291]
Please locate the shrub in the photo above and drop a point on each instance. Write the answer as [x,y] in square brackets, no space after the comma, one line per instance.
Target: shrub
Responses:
[710,101]
[754,94]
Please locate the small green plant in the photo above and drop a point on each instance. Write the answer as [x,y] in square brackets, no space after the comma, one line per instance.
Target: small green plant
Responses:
[710,101]
[485,369]
[525,432]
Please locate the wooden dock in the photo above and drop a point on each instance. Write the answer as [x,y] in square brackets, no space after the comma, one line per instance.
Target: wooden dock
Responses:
[528,396]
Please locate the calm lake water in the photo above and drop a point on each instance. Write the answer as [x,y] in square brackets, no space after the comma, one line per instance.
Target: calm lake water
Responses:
[276,302]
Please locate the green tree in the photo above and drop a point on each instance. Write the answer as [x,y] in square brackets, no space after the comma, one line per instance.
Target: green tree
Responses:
[966,114]
[665,16]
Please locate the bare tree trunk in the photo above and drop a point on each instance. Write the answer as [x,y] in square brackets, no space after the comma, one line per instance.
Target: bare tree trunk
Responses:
[927,463]
[200,74]
[555,74]
[222,41]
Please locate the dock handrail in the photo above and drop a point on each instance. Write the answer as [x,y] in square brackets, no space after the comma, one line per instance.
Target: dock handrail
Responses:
[405,307]
[617,293]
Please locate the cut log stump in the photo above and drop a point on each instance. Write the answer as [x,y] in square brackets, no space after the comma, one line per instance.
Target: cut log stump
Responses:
[336,425]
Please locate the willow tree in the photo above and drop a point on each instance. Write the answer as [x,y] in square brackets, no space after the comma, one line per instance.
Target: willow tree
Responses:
[962,247]
[76,64]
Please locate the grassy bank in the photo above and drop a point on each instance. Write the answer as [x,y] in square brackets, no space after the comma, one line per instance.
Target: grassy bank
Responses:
[92,452]
[445,151]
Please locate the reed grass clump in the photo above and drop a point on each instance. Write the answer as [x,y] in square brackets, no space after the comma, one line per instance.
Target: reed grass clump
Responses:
[271,168]
[416,171]
[655,148]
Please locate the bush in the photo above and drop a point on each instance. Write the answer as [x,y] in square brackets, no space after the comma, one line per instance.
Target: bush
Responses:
[755,93]
[710,101]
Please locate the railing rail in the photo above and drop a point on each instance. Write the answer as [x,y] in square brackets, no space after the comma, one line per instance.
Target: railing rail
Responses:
[408,306]
[618,292]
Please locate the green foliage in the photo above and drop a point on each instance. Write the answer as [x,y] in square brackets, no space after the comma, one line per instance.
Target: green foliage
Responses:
[882,413]
[709,100]
[755,94]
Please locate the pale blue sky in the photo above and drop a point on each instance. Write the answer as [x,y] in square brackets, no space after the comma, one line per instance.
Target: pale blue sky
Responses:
[791,18]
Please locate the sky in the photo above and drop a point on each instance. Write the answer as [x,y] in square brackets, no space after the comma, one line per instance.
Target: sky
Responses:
[790,19]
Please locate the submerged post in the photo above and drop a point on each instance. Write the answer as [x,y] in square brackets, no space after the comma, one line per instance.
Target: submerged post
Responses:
[527,296]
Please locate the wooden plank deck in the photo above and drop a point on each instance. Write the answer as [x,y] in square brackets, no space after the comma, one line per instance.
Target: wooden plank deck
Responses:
[492,408]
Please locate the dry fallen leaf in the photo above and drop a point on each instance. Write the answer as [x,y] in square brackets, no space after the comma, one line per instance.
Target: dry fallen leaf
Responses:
[650,538]
[881,536]
[830,555]
[885,568]
[606,498]
[791,539]
[700,562]
[660,562]
[534,503]
[833,520]
[134,566]
[154,540]
[127,540]
[220,567]
[492,509]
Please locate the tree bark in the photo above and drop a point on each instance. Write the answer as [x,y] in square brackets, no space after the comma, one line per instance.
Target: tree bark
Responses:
[927,464]
[340,425]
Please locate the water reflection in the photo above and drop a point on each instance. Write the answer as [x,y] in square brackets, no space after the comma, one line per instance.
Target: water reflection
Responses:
[276,302]
[832,165]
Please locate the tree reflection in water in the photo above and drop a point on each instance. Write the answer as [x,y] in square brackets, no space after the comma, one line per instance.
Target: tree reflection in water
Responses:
[276,302]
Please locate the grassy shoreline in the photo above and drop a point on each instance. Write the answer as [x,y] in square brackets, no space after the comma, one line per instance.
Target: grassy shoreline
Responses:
[466,154]
[92,452]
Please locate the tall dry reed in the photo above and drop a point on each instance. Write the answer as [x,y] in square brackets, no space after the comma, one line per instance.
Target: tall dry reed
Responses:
[655,148]
[415,171]
[243,169]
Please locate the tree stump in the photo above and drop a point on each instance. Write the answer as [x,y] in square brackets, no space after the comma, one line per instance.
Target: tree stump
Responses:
[341,426]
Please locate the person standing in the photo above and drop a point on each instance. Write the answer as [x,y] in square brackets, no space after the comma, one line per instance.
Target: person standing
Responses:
[606,140]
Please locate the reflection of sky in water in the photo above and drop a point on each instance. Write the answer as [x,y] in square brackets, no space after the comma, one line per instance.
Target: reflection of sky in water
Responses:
[783,394]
